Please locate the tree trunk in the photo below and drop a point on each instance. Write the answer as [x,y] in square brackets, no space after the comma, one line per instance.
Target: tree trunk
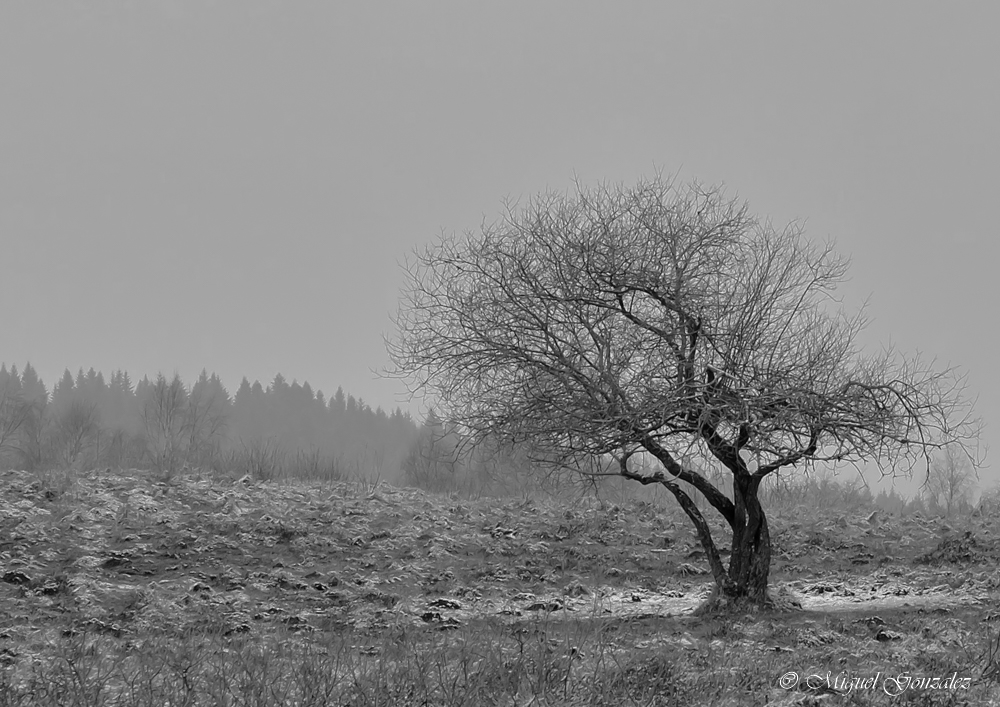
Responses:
[750,558]
[746,580]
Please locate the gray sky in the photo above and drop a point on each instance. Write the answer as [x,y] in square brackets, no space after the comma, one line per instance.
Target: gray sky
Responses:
[231,185]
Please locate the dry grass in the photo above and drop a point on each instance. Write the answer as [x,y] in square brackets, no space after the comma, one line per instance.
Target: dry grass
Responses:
[120,589]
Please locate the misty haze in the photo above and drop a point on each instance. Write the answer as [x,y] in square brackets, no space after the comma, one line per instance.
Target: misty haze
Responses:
[438,354]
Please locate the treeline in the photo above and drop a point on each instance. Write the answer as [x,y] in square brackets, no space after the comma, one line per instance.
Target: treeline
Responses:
[86,421]
[290,430]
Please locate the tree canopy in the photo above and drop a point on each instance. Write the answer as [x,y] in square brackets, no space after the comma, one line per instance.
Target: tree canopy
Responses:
[664,319]
[615,316]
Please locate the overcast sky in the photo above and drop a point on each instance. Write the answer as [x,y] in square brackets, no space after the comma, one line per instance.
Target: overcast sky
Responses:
[231,185]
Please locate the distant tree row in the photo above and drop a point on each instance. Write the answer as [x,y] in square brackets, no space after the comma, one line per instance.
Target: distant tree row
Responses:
[288,429]
[87,421]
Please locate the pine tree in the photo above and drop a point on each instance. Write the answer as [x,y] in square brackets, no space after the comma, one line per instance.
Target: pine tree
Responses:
[338,403]
[278,385]
[243,394]
[32,387]
[14,380]
[63,389]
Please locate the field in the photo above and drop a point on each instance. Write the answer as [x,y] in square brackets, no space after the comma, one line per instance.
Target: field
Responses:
[125,588]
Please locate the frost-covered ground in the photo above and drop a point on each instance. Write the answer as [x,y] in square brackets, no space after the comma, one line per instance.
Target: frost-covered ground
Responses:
[125,563]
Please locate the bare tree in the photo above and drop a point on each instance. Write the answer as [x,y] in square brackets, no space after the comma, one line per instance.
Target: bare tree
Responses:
[432,462]
[950,482]
[164,416]
[14,412]
[76,431]
[666,321]
[205,419]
